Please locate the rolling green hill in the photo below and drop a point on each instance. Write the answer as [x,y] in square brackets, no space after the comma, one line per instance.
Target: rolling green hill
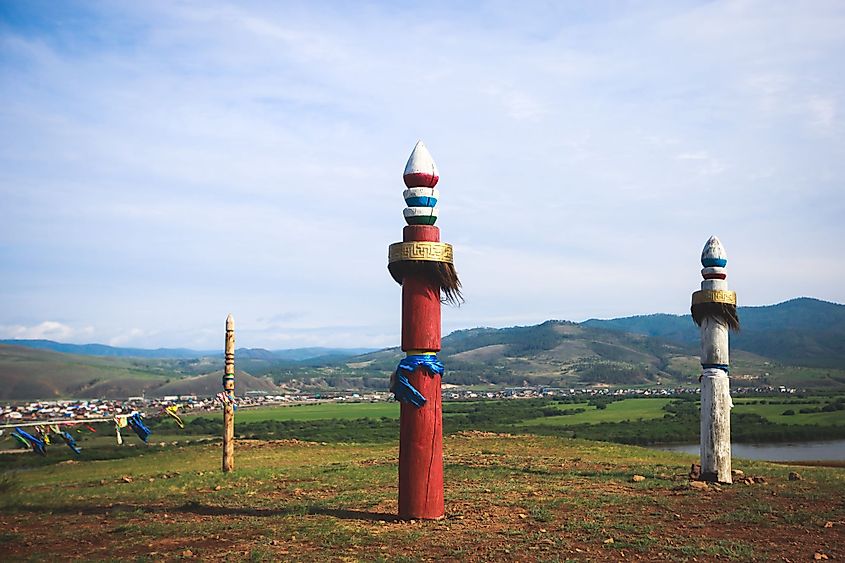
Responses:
[800,343]
[803,331]
[563,354]
[28,373]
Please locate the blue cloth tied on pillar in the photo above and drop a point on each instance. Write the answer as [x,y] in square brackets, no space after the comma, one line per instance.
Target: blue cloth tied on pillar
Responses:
[402,388]
[38,446]
[139,427]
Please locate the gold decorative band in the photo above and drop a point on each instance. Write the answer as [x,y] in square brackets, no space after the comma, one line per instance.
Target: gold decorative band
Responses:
[420,353]
[420,250]
[714,296]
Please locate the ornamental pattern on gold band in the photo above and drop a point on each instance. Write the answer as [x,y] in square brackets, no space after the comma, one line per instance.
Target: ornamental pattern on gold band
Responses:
[420,250]
[714,296]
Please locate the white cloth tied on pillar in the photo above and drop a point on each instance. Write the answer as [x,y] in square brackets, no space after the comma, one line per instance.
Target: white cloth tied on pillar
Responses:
[718,373]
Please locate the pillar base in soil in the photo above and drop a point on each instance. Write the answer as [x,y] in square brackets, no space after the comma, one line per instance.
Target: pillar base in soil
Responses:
[421,451]
[716,426]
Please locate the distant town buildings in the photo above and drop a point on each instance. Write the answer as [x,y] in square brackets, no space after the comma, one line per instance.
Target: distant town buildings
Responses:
[81,410]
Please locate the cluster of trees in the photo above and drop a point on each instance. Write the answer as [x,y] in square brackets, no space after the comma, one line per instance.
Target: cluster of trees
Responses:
[837,405]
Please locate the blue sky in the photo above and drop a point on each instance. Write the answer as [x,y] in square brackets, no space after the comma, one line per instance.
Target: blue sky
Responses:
[165,163]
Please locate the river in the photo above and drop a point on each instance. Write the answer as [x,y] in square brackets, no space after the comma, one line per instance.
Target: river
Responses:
[833,450]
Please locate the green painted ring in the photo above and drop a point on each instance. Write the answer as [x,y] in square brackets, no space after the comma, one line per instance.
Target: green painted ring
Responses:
[421,220]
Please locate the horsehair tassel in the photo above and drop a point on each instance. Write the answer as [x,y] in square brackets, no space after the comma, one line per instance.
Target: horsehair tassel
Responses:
[442,274]
[449,282]
[724,312]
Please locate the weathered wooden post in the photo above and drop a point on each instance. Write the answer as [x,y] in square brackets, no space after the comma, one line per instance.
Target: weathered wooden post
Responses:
[423,266]
[714,310]
[229,403]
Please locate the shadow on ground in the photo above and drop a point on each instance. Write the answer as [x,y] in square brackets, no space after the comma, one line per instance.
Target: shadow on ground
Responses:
[200,509]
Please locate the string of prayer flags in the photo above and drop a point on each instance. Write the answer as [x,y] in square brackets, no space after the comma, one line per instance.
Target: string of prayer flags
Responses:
[41,433]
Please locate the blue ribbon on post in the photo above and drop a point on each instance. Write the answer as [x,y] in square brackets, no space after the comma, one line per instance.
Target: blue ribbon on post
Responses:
[402,388]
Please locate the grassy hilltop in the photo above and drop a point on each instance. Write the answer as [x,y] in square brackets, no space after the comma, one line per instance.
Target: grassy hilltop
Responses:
[520,498]
[320,484]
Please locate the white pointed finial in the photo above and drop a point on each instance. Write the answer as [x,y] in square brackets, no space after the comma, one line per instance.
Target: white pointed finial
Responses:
[230,322]
[714,255]
[421,171]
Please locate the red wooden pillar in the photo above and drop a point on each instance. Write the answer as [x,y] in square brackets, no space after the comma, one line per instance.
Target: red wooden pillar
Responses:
[423,265]
[421,429]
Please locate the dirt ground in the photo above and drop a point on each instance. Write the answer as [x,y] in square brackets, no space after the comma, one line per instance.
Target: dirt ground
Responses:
[508,498]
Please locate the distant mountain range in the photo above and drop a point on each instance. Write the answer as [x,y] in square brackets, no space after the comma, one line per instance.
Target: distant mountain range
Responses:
[798,343]
[103,350]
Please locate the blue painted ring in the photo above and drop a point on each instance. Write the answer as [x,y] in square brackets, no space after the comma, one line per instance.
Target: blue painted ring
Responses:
[424,201]
[714,262]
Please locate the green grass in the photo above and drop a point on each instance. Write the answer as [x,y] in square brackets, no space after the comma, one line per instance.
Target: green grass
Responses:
[618,411]
[526,497]
[775,412]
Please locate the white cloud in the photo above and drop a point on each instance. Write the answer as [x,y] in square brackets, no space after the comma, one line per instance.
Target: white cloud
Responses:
[46,330]
[130,336]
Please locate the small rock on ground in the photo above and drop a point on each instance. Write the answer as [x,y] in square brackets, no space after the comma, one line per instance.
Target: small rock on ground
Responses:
[695,471]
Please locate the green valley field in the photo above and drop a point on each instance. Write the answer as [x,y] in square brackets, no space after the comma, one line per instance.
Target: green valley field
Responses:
[639,421]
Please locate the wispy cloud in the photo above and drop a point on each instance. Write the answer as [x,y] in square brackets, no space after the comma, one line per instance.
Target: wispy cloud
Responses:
[822,111]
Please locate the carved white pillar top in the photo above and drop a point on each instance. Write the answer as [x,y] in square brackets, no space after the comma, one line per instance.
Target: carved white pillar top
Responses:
[421,171]
[421,197]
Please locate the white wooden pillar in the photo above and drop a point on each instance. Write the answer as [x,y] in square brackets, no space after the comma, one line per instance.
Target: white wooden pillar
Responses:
[714,309]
